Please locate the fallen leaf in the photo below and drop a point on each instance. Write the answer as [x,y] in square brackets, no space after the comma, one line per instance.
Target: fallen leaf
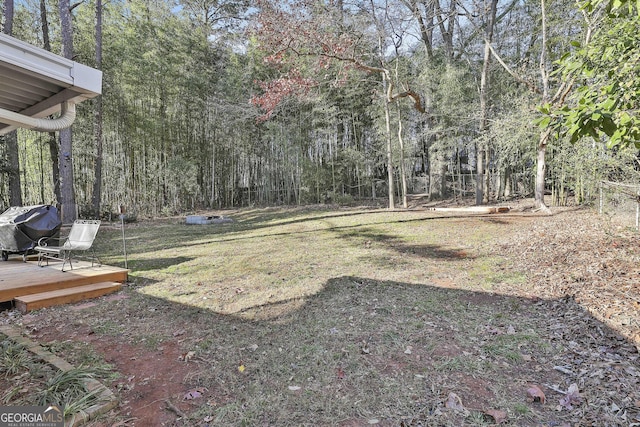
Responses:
[365,348]
[498,416]
[340,373]
[193,394]
[294,387]
[187,356]
[454,402]
[571,398]
[408,350]
[241,368]
[536,394]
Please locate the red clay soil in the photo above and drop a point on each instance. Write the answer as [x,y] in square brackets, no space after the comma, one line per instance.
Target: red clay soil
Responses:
[153,385]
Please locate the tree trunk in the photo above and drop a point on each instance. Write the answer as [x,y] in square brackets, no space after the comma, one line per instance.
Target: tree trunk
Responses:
[545,135]
[55,167]
[65,159]
[482,178]
[52,141]
[13,168]
[541,169]
[437,173]
[479,173]
[392,204]
[68,209]
[403,172]
[11,139]
[96,194]
[8,17]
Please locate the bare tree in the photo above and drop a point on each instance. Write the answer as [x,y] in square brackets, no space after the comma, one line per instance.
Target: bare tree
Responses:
[482,150]
[65,159]
[52,141]
[11,139]
[97,123]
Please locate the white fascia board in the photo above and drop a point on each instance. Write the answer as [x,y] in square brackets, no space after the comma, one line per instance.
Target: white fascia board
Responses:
[35,61]
[76,82]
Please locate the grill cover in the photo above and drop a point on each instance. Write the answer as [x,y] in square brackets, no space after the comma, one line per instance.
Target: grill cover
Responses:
[22,226]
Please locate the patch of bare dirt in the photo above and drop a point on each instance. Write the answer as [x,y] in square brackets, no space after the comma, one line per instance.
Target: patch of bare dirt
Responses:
[151,384]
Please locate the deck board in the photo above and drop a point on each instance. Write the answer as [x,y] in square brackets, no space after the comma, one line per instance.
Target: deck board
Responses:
[27,303]
[19,278]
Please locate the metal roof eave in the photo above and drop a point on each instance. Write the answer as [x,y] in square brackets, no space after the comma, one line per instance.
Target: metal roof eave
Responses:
[36,83]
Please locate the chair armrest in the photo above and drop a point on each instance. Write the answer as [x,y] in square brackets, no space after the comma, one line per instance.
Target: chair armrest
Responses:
[58,239]
[44,241]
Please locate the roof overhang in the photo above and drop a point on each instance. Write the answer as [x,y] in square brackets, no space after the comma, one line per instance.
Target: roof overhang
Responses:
[35,83]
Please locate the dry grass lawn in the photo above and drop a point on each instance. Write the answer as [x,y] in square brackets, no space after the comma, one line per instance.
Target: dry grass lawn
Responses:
[353,317]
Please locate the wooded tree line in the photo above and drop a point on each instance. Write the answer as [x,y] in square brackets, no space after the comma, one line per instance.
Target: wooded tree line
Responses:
[221,103]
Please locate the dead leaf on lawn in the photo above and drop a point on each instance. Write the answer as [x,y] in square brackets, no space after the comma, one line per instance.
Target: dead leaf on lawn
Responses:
[454,402]
[496,415]
[193,394]
[536,394]
[187,356]
[571,398]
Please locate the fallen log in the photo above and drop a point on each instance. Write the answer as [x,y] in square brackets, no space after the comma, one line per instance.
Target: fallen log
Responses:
[475,209]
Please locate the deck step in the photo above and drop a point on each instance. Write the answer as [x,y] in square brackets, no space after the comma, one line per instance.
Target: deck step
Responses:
[19,278]
[27,303]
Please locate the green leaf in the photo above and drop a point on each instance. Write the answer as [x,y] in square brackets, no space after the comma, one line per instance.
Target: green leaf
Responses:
[544,122]
[574,138]
[612,142]
[608,126]
[545,108]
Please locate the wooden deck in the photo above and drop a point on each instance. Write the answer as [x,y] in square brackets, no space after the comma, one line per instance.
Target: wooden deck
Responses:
[31,287]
